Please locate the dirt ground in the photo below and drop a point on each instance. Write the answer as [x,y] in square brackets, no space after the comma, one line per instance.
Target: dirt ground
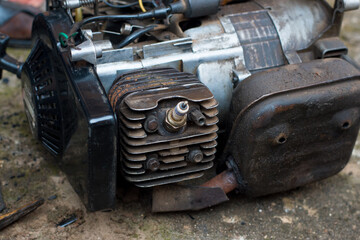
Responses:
[329,209]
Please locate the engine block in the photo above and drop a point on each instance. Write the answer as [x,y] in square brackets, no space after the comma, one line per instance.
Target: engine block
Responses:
[144,96]
[153,151]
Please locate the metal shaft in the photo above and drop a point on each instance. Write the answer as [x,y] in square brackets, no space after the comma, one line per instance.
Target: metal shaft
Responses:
[225,180]
[11,217]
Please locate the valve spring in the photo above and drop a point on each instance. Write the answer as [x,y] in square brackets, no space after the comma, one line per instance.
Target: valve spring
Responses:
[71,4]
[87,2]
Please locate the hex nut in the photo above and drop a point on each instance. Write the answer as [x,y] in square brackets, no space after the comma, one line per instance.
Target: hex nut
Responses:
[195,156]
[151,124]
[172,125]
[153,164]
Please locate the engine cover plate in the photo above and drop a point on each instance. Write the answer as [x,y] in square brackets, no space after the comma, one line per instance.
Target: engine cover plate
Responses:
[294,125]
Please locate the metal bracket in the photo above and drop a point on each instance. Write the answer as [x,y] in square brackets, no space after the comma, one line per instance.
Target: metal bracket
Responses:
[89,51]
[330,47]
[346,5]
[6,62]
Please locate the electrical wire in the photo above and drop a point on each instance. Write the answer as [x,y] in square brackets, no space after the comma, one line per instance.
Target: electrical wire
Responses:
[127,5]
[135,35]
[64,38]
[154,3]
[142,6]
[155,13]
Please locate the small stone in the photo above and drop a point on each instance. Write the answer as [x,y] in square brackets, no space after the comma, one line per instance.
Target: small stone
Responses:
[52,197]
[21,175]
[5,80]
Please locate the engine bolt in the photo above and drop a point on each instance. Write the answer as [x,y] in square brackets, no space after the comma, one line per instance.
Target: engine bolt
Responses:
[151,124]
[195,156]
[197,117]
[153,164]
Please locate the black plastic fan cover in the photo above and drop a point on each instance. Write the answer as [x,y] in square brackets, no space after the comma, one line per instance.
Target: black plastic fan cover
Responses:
[47,99]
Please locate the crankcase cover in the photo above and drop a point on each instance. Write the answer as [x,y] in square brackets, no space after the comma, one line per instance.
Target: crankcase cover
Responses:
[293,125]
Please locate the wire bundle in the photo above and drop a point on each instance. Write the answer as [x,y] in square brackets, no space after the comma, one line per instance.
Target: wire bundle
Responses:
[155,13]
[129,5]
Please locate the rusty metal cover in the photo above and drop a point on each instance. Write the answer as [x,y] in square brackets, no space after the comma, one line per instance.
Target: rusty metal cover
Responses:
[294,125]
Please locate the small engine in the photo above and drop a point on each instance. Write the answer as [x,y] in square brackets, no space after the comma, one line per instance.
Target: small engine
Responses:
[158,92]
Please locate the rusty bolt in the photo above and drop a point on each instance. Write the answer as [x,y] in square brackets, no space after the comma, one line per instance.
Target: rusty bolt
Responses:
[195,156]
[151,124]
[153,164]
[197,117]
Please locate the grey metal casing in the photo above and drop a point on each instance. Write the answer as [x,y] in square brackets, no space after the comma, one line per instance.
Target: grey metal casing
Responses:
[227,47]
